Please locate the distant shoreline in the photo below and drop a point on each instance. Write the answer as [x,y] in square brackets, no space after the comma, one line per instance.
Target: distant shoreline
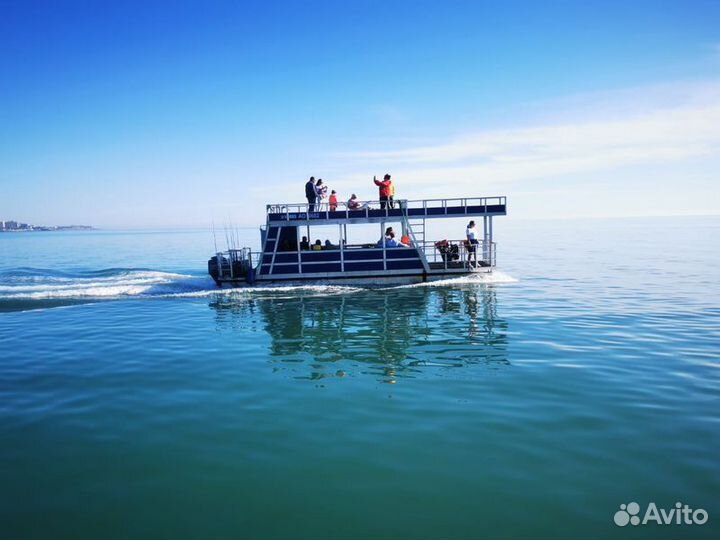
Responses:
[51,229]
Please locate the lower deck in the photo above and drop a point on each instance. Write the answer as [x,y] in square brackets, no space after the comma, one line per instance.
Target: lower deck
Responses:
[458,266]
[367,261]
[348,260]
[353,264]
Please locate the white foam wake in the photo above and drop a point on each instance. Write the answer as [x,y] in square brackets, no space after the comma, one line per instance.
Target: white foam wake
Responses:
[120,284]
[275,291]
[488,278]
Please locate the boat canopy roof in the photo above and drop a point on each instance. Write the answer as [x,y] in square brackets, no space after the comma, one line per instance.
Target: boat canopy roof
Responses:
[299,213]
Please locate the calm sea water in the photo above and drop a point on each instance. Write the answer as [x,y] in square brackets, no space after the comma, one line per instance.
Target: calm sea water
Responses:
[138,402]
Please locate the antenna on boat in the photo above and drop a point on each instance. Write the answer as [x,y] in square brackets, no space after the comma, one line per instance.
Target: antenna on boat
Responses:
[233,236]
[227,239]
[214,236]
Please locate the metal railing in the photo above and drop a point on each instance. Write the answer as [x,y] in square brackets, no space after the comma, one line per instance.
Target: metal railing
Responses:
[459,253]
[452,255]
[228,260]
[302,210]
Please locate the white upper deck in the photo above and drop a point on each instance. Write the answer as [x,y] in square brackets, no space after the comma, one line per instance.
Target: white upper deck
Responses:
[300,213]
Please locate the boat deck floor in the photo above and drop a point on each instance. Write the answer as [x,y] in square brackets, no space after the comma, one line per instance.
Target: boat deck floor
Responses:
[454,265]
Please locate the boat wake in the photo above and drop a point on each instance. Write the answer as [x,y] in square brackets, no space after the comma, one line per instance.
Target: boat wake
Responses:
[493,278]
[35,288]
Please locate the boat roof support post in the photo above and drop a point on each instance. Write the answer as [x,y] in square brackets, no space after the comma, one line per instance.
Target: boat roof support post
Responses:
[342,248]
[485,238]
[382,240]
[490,244]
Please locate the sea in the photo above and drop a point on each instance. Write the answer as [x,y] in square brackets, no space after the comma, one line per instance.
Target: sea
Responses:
[563,396]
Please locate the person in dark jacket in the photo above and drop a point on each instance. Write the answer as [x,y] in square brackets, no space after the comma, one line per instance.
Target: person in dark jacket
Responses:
[385,189]
[310,194]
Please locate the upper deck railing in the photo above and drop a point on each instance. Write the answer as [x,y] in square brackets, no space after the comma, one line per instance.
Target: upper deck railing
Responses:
[420,208]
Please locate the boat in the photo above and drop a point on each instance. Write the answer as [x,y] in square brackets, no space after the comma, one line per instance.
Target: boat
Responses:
[285,257]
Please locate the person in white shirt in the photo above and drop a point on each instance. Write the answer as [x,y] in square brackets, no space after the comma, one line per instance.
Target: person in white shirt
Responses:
[472,242]
[320,193]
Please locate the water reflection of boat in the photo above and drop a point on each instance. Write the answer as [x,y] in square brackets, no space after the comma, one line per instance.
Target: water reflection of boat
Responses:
[387,333]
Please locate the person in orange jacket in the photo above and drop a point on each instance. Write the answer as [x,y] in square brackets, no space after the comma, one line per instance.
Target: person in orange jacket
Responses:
[332,201]
[385,188]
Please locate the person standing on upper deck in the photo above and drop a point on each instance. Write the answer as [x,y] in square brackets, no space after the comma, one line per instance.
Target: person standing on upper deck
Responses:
[310,194]
[385,188]
[320,193]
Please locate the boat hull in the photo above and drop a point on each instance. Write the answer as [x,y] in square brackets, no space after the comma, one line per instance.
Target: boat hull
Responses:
[360,280]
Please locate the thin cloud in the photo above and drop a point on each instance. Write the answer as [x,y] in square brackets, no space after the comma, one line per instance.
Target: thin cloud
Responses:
[687,128]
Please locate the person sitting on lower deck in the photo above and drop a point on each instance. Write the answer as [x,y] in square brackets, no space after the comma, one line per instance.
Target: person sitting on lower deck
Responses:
[317,246]
[390,241]
[304,244]
[384,237]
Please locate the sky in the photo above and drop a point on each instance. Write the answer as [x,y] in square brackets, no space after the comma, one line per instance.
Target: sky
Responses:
[178,114]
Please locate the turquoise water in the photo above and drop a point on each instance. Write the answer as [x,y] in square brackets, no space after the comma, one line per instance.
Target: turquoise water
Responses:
[136,401]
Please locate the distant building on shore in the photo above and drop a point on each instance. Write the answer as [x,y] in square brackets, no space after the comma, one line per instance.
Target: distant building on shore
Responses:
[7,226]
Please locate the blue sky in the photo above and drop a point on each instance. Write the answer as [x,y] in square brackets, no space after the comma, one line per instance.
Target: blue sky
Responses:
[161,114]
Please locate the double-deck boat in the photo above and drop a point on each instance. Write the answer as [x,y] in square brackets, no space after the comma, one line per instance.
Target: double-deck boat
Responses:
[285,256]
